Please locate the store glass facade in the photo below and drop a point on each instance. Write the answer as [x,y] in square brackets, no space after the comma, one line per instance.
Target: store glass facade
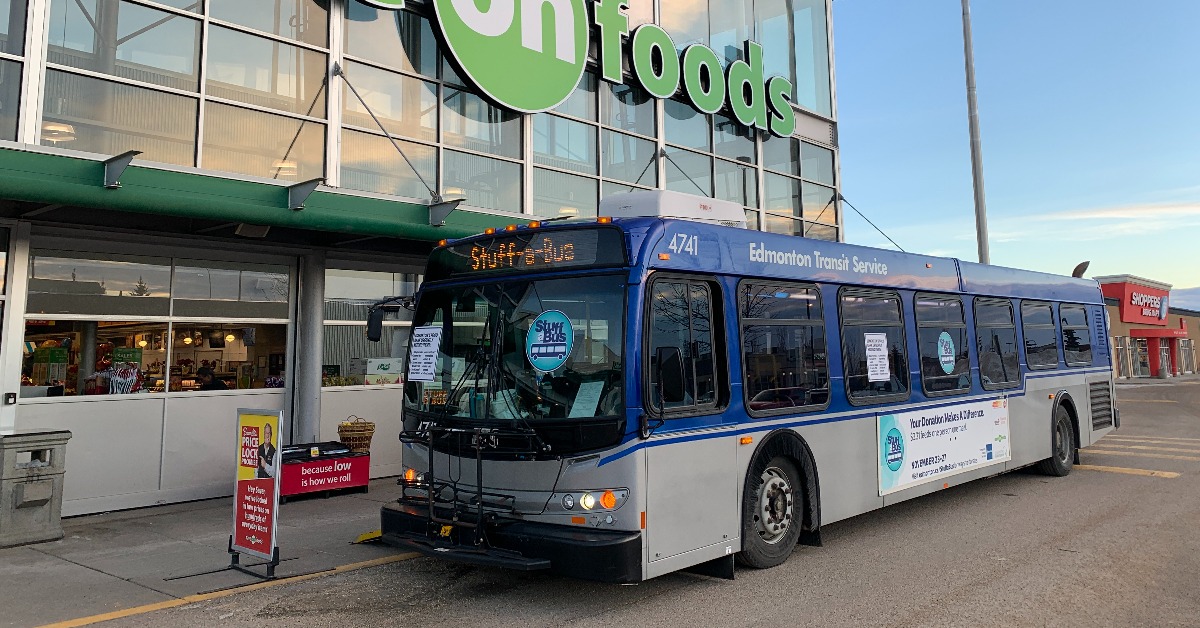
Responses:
[247,88]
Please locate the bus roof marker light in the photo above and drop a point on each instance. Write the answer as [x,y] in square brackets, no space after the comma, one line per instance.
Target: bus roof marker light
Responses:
[510,227]
[604,220]
[443,242]
[534,224]
[664,256]
[929,266]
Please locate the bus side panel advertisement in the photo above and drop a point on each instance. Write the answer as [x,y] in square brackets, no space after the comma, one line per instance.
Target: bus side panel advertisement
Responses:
[256,498]
[926,445]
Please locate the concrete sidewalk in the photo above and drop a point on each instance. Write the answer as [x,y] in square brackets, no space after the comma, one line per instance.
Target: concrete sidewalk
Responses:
[113,561]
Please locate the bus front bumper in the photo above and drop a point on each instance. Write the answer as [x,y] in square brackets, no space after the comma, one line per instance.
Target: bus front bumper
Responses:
[585,553]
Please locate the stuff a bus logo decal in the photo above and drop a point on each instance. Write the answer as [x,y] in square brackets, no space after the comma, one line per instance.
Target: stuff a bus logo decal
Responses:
[548,344]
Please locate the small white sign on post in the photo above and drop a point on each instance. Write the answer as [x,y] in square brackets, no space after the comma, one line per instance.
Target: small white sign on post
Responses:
[422,361]
[878,369]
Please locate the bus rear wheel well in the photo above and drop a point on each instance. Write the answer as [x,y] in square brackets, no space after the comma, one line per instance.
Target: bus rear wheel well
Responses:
[790,445]
[1065,400]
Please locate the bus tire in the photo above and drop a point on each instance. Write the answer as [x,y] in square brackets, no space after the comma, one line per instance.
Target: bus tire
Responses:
[772,512]
[1062,446]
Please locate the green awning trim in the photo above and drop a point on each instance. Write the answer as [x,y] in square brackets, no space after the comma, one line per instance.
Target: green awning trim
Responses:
[58,179]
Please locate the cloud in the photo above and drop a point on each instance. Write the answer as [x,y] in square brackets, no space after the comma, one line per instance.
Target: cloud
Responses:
[1100,223]
[1188,298]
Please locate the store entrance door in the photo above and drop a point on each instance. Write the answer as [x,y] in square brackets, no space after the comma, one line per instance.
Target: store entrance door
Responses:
[1164,357]
[1141,358]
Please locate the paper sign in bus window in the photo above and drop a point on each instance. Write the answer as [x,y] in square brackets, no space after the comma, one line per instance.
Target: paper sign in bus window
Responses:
[422,362]
[878,369]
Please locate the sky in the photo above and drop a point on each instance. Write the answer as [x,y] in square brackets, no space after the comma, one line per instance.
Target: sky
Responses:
[1090,124]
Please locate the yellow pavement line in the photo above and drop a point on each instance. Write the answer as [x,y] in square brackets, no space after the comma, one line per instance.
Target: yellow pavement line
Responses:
[1109,452]
[1129,471]
[201,597]
[1147,441]
[1152,448]
[1132,437]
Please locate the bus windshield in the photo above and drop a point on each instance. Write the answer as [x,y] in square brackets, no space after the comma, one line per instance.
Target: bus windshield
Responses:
[523,350]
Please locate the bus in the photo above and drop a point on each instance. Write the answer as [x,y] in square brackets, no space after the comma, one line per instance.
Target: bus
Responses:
[616,399]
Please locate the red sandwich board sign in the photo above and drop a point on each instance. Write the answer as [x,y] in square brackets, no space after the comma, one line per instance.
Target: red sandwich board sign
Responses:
[256,497]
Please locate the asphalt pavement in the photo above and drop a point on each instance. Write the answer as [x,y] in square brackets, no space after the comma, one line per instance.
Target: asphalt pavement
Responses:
[1113,544]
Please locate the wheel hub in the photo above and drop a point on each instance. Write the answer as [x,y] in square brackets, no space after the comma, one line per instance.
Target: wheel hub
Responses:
[775,510]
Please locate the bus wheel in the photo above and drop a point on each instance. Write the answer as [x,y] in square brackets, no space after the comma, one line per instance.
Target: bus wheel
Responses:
[772,513]
[1062,450]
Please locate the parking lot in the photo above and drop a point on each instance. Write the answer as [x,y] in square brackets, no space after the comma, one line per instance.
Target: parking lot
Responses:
[1113,544]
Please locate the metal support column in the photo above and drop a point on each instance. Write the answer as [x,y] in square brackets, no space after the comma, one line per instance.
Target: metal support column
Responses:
[309,349]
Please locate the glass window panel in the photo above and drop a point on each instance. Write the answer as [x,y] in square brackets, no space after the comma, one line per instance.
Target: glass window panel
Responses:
[240,355]
[781,154]
[998,367]
[1041,337]
[944,372]
[10,98]
[819,203]
[12,26]
[736,182]
[935,311]
[346,344]
[582,102]
[1077,336]
[64,283]
[404,105]
[628,108]
[1037,314]
[858,382]
[556,194]
[485,182]
[302,20]
[1072,316]
[640,12]
[752,219]
[688,172]
[261,144]
[993,314]
[871,308]
[610,188]
[564,143]
[786,367]
[780,302]
[811,83]
[781,194]
[71,358]
[266,73]
[816,163]
[228,290]
[818,231]
[398,39]
[684,126]
[349,293]
[96,116]
[471,122]
[126,40]
[734,140]
[795,45]
[686,22]
[774,223]
[628,158]
[370,163]
[731,24]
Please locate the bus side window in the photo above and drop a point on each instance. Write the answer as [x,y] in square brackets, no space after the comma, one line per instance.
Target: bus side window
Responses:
[681,316]
[783,348]
[1076,335]
[942,343]
[1041,335]
[874,350]
[996,338]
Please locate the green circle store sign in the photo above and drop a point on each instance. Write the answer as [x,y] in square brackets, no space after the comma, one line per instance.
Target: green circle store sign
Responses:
[528,56]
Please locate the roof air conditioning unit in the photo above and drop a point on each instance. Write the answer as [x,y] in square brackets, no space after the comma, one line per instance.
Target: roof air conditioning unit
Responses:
[668,204]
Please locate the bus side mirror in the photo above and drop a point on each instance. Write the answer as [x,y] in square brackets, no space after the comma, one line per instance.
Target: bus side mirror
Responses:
[375,324]
[670,373]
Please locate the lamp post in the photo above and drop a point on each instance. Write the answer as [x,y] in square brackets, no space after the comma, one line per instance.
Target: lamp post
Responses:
[981,234]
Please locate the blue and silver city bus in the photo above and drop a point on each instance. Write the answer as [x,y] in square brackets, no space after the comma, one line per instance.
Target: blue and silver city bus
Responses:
[623,398]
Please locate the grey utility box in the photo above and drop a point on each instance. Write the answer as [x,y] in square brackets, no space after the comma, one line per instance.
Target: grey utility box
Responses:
[32,464]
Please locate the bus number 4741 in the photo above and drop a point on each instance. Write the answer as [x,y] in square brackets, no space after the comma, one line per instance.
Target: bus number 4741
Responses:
[684,243]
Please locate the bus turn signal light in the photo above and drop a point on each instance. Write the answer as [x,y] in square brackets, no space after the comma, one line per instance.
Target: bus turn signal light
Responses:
[608,500]
[410,475]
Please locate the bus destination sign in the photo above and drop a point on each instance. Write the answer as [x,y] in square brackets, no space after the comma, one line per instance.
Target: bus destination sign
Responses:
[531,251]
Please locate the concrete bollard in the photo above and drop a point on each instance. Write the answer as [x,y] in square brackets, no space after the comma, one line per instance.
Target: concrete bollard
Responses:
[32,465]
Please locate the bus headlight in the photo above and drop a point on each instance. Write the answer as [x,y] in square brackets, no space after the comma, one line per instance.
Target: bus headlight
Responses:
[594,500]
[568,502]
[587,501]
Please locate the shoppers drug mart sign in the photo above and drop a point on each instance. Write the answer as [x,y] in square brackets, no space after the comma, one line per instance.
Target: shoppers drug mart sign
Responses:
[528,56]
